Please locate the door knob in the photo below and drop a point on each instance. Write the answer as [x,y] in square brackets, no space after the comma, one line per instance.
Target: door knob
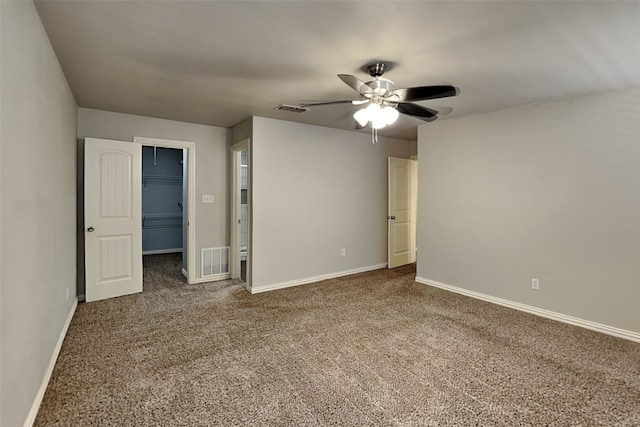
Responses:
[391,217]
[90,229]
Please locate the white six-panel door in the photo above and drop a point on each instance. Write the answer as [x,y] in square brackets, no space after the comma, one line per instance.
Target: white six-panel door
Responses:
[401,216]
[113,218]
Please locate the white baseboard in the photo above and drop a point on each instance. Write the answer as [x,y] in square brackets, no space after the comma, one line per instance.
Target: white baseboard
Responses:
[35,406]
[314,279]
[205,279]
[212,278]
[598,327]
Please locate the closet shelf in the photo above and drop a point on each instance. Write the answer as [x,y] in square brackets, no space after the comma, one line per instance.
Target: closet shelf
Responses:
[162,220]
[161,180]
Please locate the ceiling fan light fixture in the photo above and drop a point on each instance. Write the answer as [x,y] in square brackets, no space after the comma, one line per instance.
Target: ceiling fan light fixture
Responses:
[390,115]
[382,103]
[378,116]
[378,122]
[362,117]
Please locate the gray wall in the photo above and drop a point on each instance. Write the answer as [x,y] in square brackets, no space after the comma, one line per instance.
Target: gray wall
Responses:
[549,190]
[212,163]
[38,228]
[317,190]
[413,148]
[242,130]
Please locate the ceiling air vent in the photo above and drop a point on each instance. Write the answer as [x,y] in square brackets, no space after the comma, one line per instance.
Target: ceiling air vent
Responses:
[291,108]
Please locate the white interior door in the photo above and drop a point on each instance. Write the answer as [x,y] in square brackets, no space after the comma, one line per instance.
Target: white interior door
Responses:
[113,218]
[402,212]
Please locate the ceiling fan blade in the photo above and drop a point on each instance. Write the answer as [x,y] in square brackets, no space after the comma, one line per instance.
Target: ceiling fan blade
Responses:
[346,115]
[425,92]
[355,83]
[423,113]
[315,103]
[442,110]
[349,115]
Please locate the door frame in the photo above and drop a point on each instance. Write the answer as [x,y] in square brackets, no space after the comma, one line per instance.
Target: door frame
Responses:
[236,231]
[191,199]
[412,196]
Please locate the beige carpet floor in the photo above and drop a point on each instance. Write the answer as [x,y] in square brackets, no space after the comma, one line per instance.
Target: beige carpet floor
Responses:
[370,349]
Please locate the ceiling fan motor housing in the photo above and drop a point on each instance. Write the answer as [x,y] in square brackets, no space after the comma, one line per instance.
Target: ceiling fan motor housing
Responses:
[380,86]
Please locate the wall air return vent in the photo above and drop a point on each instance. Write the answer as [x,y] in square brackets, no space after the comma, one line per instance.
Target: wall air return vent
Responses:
[215,261]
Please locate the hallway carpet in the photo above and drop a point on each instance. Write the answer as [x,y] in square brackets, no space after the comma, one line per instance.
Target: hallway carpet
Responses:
[371,349]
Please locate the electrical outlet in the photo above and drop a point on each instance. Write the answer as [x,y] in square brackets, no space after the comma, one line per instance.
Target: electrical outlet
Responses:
[535,283]
[343,252]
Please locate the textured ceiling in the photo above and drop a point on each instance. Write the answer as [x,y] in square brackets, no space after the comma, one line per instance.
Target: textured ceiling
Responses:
[218,63]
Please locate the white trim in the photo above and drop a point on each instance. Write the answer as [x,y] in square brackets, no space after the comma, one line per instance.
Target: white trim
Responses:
[236,214]
[314,279]
[185,274]
[212,278]
[35,406]
[162,251]
[587,324]
[191,194]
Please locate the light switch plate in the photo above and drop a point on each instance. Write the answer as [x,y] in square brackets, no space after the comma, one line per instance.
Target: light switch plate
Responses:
[207,198]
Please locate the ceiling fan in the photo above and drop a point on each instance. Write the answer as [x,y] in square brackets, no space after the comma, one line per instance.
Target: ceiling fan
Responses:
[382,103]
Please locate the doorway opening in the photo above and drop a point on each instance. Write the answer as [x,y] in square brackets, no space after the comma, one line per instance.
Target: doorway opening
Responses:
[163,201]
[402,211]
[168,207]
[241,202]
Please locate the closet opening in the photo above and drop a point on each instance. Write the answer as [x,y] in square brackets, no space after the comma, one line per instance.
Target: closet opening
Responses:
[164,198]
[168,206]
